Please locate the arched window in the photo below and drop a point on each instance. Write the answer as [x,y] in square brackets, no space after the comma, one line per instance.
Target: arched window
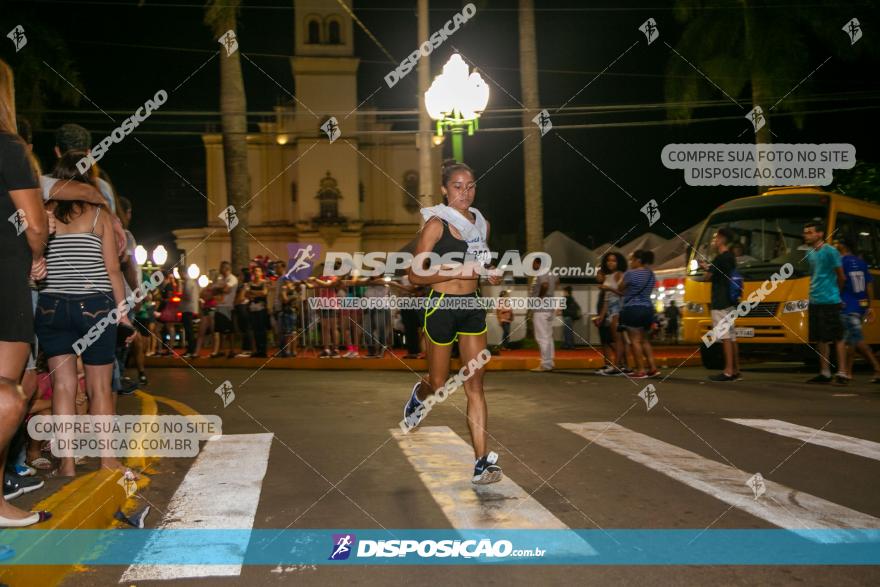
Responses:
[314,31]
[328,201]
[334,31]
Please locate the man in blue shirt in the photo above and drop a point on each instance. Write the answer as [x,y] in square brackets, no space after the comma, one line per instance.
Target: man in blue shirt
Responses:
[826,279]
[856,295]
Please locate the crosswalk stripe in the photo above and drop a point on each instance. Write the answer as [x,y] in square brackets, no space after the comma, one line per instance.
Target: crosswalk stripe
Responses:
[781,505]
[848,444]
[442,460]
[213,495]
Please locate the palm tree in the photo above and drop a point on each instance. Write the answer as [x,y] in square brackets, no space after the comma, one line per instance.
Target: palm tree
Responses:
[754,53]
[34,81]
[221,16]
[528,61]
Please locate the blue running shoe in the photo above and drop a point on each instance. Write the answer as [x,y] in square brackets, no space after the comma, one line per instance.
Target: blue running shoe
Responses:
[411,413]
[487,471]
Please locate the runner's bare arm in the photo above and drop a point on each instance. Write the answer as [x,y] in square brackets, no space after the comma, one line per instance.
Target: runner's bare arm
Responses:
[494,277]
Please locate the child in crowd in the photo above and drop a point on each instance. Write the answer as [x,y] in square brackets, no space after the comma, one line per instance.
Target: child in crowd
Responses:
[42,406]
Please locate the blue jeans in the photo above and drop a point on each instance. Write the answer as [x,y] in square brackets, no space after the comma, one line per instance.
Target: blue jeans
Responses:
[505,334]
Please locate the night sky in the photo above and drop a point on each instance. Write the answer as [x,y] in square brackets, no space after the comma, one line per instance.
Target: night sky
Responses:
[125,53]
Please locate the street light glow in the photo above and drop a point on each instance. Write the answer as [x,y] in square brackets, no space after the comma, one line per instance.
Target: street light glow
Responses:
[160,255]
[140,255]
[454,91]
[193,271]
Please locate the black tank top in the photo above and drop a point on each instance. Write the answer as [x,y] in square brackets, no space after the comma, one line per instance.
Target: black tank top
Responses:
[448,243]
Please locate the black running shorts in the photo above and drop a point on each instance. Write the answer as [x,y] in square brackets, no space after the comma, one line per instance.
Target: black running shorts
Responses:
[443,326]
[825,323]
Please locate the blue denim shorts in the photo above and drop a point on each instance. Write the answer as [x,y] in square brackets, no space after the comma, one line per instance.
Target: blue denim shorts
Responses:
[638,317]
[288,322]
[62,322]
[852,328]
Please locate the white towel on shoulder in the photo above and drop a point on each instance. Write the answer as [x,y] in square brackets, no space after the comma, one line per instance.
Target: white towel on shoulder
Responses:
[474,234]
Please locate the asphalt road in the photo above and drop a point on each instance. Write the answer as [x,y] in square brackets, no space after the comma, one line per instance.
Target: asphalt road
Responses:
[334,463]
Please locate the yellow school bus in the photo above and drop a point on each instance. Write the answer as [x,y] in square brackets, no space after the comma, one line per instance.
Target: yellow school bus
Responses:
[768,232]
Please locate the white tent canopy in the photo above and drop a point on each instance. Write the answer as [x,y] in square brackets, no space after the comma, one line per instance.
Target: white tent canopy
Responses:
[673,252]
[567,252]
[649,241]
[669,253]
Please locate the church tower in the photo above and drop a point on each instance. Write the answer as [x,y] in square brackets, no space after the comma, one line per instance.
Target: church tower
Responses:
[356,193]
[325,79]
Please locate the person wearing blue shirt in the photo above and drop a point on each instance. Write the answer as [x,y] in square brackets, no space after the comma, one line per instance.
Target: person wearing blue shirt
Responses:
[826,279]
[637,313]
[856,297]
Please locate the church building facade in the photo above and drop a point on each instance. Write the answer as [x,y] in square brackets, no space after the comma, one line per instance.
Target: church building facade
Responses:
[358,192]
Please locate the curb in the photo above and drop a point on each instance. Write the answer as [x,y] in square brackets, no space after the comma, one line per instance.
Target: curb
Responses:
[498,363]
[87,502]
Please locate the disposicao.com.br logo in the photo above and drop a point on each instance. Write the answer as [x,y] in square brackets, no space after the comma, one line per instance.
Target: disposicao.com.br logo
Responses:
[344,544]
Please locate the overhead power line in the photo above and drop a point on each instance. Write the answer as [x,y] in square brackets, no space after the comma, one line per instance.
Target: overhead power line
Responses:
[496,112]
[485,129]
[383,63]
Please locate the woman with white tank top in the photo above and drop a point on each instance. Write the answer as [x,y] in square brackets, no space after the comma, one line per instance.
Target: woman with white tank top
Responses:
[83,284]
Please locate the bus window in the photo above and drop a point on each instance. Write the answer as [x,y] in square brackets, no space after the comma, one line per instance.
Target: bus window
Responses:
[862,232]
[766,238]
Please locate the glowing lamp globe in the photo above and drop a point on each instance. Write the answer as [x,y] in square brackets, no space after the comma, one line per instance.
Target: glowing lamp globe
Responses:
[160,255]
[140,255]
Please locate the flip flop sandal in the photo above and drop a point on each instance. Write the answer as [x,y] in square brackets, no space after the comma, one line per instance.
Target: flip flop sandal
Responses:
[56,474]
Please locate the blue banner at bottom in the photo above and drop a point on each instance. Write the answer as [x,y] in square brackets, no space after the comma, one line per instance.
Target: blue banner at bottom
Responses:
[442,547]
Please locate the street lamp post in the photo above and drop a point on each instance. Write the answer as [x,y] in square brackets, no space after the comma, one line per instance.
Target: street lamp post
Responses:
[455,100]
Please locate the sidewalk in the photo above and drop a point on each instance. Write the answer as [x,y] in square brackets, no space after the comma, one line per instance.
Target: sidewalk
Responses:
[514,360]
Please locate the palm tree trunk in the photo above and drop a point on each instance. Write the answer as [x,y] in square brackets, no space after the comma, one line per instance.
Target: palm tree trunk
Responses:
[759,94]
[221,16]
[528,62]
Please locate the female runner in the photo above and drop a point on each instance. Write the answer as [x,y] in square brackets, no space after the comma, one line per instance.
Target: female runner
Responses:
[455,227]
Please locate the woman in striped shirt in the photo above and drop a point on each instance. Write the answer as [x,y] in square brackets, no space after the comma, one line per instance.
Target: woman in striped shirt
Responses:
[77,307]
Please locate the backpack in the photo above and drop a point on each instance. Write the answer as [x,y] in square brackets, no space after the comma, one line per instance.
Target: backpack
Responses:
[735,289]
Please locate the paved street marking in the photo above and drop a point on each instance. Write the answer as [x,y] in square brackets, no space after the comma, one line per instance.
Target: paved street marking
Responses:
[221,491]
[853,446]
[444,463]
[781,505]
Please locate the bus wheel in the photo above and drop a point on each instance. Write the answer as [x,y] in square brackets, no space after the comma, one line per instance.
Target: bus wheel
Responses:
[713,356]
